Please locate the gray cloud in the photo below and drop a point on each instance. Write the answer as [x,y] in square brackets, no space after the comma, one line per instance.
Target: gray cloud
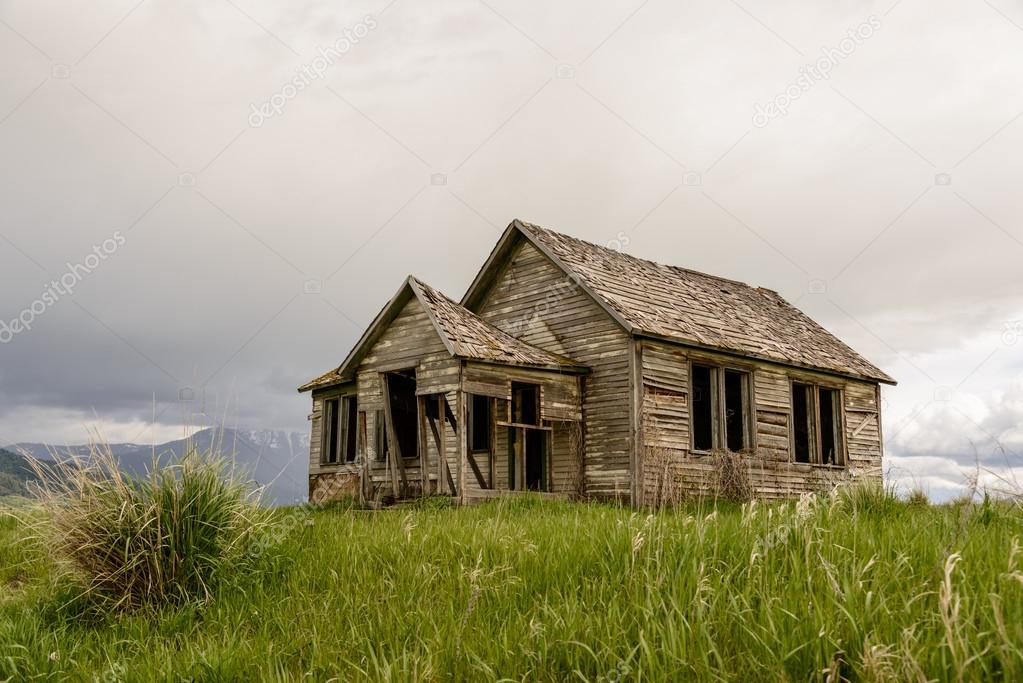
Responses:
[890,186]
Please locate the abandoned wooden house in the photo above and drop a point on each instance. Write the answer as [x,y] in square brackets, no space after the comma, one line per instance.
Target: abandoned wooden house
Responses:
[574,369]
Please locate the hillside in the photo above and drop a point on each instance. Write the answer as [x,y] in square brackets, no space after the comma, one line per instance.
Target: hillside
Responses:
[15,474]
[277,460]
[873,590]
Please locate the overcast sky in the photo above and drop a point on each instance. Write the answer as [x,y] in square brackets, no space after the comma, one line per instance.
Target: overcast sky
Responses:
[233,188]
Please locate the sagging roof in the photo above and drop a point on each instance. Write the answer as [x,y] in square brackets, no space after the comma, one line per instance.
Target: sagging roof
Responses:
[464,334]
[684,306]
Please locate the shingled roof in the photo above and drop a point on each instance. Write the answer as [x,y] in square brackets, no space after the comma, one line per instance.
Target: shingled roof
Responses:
[689,307]
[464,334]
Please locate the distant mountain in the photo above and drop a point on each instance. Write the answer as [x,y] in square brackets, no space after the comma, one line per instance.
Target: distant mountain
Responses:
[274,459]
[15,474]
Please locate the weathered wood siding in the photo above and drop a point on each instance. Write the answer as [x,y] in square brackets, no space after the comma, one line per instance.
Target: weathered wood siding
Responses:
[666,436]
[863,425]
[533,300]
[665,421]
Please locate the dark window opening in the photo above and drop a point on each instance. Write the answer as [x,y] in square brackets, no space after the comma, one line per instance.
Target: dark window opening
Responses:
[536,460]
[703,408]
[826,404]
[525,404]
[401,387]
[350,413]
[331,425]
[479,423]
[736,409]
[802,417]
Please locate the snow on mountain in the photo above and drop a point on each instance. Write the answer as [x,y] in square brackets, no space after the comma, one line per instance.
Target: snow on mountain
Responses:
[277,460]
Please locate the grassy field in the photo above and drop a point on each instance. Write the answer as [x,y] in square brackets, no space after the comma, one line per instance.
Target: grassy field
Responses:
[862,588]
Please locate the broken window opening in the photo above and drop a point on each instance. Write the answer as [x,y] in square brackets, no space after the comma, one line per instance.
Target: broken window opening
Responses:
[827,408]
[802,420]
[736,410]
[703,407]
[480,419]
[817,425]
[340,430]
[525,407]
[331,425]
[350,417]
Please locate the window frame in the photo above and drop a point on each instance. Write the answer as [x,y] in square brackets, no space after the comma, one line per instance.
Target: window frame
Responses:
[719,427]
[813,405]
[334,421]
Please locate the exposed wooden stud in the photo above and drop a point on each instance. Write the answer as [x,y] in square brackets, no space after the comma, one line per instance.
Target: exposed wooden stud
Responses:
[424,472]
[442,452]
[394,454]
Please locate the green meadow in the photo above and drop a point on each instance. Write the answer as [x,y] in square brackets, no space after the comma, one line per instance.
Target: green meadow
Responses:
[856,586]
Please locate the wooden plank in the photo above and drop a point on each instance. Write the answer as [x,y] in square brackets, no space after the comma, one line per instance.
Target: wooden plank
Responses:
[362,449]
[424,475]
[476,471]
[442,460]
[492,453]
[394,454]
[442,453]
[863,425]
[463,441]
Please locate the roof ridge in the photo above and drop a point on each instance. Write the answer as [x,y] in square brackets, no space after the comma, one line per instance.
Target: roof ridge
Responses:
[670,266]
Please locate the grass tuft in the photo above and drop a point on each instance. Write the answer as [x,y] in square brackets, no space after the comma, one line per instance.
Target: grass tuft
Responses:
[165,538]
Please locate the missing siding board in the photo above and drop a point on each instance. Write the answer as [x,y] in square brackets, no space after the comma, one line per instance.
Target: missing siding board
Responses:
[660,393]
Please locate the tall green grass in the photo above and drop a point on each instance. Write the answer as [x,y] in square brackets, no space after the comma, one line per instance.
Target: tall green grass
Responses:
[856,586]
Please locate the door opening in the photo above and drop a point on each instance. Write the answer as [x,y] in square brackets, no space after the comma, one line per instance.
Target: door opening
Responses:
[536,460]
[404,409]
